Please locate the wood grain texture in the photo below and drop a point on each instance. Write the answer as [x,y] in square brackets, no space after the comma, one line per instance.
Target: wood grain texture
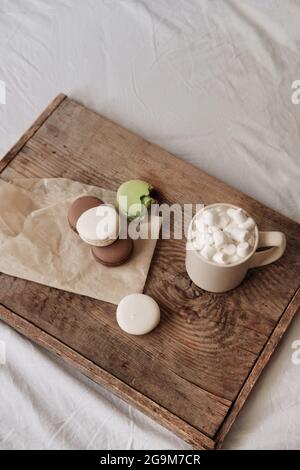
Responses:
[197,362]
[260,364]
[98,339]
[95,373]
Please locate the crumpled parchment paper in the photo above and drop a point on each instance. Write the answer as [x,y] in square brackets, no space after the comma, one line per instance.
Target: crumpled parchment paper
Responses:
[37,244]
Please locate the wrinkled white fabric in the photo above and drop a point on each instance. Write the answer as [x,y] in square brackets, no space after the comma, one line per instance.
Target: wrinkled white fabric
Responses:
[208,80]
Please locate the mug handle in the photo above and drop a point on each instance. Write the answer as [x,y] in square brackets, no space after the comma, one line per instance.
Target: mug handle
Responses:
[277,243]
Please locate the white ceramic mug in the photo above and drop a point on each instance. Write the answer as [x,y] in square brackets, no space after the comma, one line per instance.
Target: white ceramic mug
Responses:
[221,278]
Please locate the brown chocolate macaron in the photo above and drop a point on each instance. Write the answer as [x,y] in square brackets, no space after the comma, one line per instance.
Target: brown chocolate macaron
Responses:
[81,205]
[115,254]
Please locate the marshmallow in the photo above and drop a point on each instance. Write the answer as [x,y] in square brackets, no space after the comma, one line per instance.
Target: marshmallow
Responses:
[243,249]
[233,259]
[199,240]
[220,238]
[229,249]
[208,239]
[231,212]
[249,224]
[224,220]
[239,235]
[220,258]
[223,235]
[213,229]
[238,215]
[208,252]
[229,227]
[210,217]
[200,224]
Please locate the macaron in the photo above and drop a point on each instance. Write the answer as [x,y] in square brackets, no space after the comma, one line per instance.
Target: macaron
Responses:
[81,205]
[134,198]
[115,254]
[138,314]
[99,226]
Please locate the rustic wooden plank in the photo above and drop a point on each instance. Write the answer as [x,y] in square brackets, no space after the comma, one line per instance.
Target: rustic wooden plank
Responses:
[77,140]
[100,376]
[13,152]
[98,339]
[207,344]
[260,364]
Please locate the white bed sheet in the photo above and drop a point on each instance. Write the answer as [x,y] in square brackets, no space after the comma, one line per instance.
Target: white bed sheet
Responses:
[208,80]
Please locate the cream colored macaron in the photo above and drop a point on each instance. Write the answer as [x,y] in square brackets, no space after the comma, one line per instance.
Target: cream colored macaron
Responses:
[99,226]
[138,314]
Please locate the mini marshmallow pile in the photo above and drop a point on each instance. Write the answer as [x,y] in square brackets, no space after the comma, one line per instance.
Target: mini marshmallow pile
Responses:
[223,235]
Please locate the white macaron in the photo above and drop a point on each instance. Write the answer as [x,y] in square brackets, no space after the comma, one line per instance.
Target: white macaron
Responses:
[138,314]
[99,226]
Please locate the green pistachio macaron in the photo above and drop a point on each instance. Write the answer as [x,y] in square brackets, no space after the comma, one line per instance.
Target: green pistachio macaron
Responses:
[134,198]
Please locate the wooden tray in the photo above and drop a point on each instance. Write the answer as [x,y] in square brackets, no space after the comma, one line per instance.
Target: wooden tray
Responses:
[195,371]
